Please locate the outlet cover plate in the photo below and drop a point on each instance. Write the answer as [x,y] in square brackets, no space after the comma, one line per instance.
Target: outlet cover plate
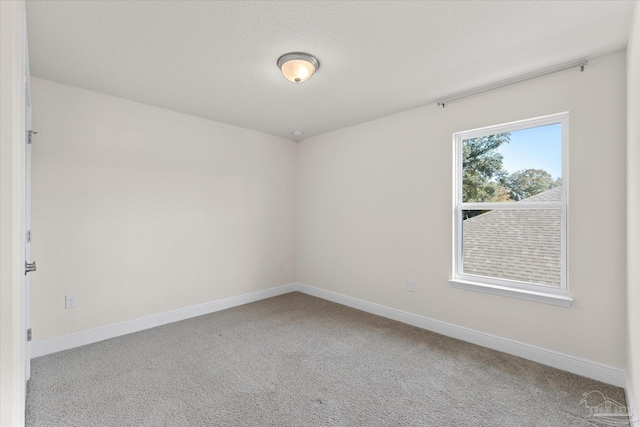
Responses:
[411,285]
[71,301]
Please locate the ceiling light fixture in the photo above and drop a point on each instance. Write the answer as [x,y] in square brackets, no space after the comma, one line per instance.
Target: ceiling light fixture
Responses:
[298,67]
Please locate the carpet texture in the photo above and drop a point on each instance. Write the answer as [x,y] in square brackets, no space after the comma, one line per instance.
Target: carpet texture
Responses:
[296,360]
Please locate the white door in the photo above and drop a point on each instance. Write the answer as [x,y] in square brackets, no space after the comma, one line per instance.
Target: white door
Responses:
[29,265]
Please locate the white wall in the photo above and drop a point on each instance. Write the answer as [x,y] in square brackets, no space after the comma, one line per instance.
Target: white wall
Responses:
[141,210]
[12,387]
[633,207]
[374,208]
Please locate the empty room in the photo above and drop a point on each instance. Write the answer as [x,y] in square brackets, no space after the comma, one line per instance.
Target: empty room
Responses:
[310,213]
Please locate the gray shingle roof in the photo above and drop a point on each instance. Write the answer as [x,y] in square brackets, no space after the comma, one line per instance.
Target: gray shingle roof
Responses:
[522,245]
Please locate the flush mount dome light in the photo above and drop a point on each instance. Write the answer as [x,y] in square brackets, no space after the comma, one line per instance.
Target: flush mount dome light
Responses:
[297,67]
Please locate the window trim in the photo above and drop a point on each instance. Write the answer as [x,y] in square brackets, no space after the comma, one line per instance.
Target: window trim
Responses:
[506,287]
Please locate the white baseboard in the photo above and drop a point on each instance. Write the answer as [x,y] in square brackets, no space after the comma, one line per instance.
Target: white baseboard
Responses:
[633,415]
[565,362]
[576,365]
[41,348]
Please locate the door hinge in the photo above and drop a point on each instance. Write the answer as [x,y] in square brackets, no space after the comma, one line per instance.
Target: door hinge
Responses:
[29,334]
[28,236]
[30,133]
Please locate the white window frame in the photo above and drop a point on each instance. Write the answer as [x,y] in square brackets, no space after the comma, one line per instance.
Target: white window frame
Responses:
[505,287]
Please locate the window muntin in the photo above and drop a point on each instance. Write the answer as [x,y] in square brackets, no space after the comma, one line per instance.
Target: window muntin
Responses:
[510,210]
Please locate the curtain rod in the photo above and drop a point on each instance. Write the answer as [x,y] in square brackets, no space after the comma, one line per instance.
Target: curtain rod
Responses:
[544,72]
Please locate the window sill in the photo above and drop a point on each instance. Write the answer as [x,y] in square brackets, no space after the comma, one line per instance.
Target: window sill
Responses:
[562,300]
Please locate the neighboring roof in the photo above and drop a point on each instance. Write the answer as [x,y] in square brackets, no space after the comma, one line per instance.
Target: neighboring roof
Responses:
[522,245]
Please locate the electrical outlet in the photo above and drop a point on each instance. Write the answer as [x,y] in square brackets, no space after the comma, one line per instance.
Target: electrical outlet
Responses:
[280,266]
[411,285]
[71,301]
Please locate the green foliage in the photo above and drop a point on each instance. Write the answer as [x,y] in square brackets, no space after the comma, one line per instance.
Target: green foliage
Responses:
[485,180]
[482,166]
[528,182]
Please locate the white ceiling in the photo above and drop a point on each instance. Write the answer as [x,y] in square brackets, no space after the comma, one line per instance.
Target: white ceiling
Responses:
[217,59]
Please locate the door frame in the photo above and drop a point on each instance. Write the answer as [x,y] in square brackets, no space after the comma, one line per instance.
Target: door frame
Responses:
[24,354]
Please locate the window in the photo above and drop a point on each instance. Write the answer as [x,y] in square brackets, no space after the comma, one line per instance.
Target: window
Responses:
[510,221]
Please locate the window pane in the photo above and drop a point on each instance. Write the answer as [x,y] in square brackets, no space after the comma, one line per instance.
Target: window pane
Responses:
[523,245]
[512,166]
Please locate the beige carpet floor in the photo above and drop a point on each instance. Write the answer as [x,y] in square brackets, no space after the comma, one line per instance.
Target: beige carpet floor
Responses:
[296,360]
